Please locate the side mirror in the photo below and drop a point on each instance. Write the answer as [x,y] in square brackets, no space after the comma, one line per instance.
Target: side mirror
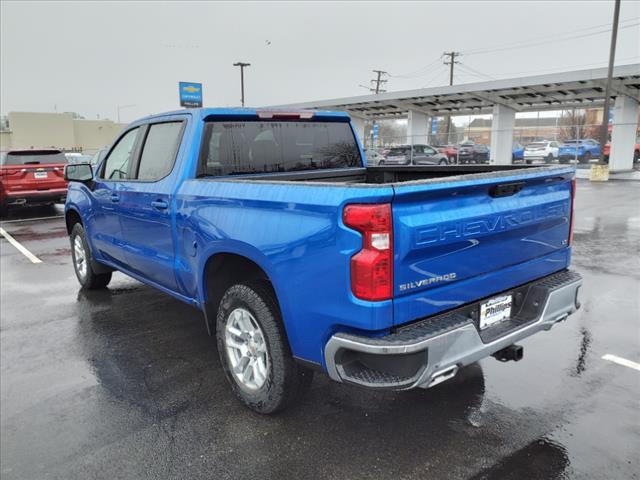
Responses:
[78,172]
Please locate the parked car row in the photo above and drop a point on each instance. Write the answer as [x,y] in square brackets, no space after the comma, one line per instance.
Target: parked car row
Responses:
[545,151]
[413,155]
[422,154]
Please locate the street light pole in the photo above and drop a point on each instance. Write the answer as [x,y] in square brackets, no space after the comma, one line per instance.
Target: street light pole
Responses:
[242,65]
[604,128]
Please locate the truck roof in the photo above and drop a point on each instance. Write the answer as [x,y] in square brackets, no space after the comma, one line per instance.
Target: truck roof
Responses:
[248,111]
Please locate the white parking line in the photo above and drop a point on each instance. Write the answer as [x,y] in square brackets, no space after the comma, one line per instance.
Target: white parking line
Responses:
[621,361]
[19,246]
[31,219]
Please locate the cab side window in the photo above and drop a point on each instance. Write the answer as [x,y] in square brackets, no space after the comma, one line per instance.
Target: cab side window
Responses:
[160,150]
[117,163]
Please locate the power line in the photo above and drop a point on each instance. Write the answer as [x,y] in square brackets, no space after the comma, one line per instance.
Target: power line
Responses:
[541,71]
[421,72]
[475,72]
[434,77]
[562,37]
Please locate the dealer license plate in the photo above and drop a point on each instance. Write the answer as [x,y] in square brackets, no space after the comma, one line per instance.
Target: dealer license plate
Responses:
[495,310]
[40,175]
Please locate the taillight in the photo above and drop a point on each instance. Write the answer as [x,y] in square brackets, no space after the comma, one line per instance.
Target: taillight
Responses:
[372,266]
[573,196]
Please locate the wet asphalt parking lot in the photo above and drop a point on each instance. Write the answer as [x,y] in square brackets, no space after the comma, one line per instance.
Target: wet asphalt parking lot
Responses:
[125,383]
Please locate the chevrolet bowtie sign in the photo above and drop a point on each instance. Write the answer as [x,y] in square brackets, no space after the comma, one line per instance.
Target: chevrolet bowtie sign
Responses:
[190,95]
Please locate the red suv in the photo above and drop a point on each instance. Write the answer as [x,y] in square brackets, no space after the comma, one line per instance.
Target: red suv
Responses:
[636,151]
[31,177]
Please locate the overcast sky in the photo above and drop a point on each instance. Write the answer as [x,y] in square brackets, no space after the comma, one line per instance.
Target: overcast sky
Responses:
[90,57]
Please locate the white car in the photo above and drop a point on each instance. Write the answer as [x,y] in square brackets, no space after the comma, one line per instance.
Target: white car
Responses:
[75,157]
[545,150]
[373,156]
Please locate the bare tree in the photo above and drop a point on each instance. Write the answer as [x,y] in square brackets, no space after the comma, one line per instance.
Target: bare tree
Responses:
[573,125]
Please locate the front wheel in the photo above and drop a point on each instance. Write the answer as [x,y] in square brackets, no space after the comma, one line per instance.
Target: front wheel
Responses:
[586,157]
[549,158]
[254,350]
[82,261]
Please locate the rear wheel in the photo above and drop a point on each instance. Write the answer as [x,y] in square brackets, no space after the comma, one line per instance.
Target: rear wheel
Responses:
[443,162]
[549,158]
[636,156]
[586,157]
[82,261]
[254,350]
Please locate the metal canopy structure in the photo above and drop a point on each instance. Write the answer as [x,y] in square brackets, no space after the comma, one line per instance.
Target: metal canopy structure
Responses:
[557,91]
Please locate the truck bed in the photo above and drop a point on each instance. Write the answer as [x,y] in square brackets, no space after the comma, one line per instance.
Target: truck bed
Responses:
[377,176]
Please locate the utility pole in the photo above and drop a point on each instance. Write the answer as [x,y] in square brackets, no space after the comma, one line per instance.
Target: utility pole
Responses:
[376,87]
[604,129]
[378,81]
[452,61]
[241,65]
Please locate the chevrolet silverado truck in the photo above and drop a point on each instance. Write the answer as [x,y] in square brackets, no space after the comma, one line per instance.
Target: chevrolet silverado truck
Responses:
[303,259]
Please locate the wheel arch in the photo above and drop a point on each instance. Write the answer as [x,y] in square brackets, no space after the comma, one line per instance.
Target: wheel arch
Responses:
[221,270]
[71,217]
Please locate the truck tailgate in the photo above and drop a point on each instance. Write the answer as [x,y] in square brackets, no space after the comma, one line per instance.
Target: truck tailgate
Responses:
[457,241]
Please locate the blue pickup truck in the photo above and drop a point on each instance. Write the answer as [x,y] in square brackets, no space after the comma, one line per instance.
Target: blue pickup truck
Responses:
[304,259]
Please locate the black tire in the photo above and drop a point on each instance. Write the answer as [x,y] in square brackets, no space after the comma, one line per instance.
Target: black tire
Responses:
[586,157]
[90,280]
[443,162]
[286,380]
[549,158]
[636,156]
[4,210]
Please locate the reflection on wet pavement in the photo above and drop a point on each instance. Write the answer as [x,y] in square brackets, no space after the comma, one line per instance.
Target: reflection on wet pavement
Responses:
[125,383]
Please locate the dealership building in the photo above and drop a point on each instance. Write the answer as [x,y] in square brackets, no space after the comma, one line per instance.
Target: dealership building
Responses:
[66,131]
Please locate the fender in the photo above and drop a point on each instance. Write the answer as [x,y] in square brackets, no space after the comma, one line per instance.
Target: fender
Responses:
[256,256]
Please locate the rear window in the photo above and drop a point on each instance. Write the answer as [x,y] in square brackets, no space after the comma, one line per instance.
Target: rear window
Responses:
[537,145]
[237,147]
[33,157]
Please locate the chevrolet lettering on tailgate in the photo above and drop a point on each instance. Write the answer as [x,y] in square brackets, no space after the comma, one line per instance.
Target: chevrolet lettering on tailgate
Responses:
[494,223]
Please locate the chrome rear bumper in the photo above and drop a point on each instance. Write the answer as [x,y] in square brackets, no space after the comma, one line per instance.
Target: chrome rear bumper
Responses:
[430,351]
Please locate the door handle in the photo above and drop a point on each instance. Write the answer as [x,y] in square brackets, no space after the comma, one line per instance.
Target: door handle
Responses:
[160,205]
[115,198]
